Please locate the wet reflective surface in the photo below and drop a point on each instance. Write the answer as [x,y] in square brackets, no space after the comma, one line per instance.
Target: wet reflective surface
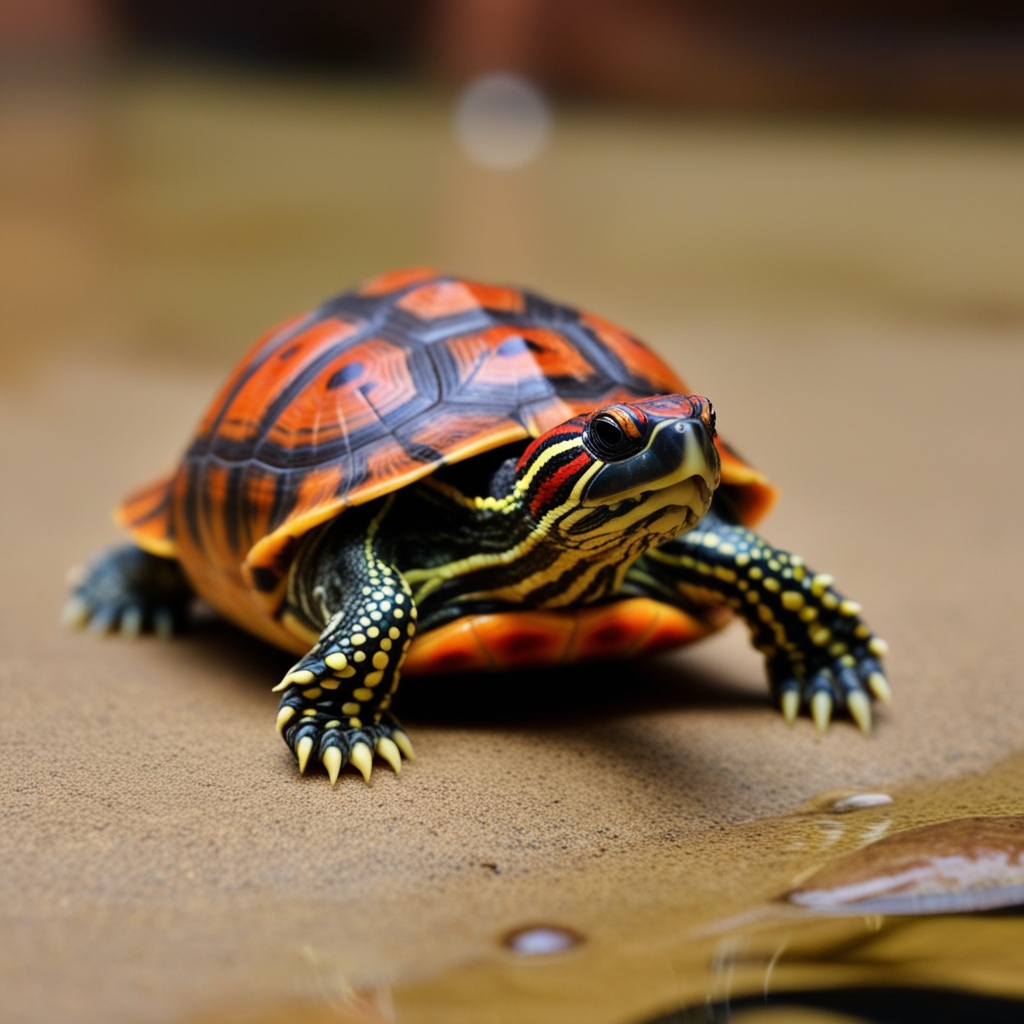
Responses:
[672,960]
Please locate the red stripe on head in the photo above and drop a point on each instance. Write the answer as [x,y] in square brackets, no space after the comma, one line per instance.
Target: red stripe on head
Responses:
[559,433]
[545,494]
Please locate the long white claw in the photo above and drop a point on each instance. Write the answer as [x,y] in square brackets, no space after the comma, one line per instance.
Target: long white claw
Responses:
[860,709]
[404,744]
[102,622]
[332,762]
[790,705]
[75,614]
[293,678]
[284,716]
[880,687]
[362,758]
[821,710]
[387,749]
[299,677]
[163,623]
[131,622]
[302,751]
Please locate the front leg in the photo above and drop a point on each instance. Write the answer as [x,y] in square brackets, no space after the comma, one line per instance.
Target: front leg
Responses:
[818,650]
[337,697]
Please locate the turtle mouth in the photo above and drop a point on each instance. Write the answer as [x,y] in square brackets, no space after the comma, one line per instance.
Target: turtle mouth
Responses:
[703,491]
[692,494]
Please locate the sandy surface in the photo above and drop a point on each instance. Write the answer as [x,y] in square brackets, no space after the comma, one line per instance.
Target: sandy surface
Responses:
[851,301]
[162,855]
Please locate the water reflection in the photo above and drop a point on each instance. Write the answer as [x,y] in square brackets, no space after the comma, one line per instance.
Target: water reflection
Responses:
[876,1005]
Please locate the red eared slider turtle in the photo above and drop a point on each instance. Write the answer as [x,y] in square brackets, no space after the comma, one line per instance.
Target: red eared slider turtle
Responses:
[429,475]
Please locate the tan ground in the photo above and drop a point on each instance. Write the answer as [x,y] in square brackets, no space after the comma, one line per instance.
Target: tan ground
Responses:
[162,858]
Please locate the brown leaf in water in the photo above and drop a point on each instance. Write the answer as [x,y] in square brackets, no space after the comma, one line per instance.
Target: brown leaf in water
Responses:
[962,865]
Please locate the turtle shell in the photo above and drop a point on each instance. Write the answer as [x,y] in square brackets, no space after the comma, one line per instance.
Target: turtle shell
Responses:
[366,394]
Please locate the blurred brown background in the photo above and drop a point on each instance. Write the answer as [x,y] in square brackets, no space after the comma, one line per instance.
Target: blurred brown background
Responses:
[736,55]
[815,212]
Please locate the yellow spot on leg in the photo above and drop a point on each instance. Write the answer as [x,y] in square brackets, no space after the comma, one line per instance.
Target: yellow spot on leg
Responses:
[821,583]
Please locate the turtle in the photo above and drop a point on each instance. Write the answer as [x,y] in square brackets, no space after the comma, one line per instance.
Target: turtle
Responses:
[427,475]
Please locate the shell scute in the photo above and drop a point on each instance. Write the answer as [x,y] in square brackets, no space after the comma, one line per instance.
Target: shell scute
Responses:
[395,280]
[636,355]
[375,389]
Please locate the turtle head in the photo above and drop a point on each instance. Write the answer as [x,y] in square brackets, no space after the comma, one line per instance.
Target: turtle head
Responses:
[636,473]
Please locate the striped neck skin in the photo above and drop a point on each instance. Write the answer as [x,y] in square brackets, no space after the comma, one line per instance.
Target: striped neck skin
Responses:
[588,498]
[605,487]
[638,473]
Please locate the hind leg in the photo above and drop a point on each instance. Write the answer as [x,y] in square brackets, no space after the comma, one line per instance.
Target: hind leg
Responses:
[128,589]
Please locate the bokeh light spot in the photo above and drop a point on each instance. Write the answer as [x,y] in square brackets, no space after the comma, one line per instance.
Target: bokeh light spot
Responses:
[502,121]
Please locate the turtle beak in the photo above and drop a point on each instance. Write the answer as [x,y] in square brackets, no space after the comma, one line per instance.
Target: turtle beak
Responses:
[679,449]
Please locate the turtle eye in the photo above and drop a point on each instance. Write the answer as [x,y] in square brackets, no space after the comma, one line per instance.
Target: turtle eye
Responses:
[608,432]
[614,435]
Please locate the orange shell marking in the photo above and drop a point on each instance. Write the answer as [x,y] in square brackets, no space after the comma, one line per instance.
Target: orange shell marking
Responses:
[531,639]
[374,390]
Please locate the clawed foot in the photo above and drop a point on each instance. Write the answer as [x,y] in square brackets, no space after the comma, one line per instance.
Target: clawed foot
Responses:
[128,590]
[336,698]
[336,743]
[839,667]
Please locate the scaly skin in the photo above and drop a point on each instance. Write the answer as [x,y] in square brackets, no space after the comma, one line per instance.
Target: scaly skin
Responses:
[589,511]
[337,697]
[819,652]
[128,590]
